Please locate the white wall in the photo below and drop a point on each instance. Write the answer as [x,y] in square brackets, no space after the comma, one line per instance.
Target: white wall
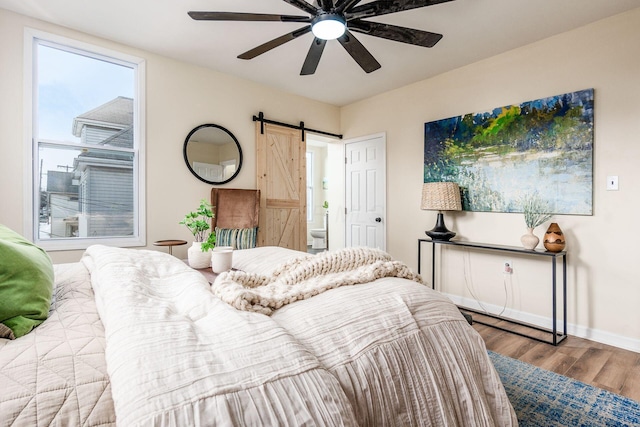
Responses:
[319,151]
[604,293]
[179,97]
[336,194]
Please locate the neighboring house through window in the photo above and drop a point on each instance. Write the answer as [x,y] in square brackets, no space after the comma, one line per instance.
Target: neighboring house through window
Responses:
[88,145]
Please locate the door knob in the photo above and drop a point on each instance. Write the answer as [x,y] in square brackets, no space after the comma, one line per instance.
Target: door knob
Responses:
[378,219]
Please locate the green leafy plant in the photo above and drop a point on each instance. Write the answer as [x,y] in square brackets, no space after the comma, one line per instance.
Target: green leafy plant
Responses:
[325,205]
[210,243]
[198,224]
[536,210]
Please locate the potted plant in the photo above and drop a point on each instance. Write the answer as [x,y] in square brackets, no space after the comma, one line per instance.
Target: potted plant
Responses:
[536,212]
[198,223]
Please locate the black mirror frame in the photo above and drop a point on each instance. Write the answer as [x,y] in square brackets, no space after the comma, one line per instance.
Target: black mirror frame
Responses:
[186,158]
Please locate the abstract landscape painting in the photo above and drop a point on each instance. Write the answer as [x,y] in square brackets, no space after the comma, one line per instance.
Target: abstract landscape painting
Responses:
[499,157]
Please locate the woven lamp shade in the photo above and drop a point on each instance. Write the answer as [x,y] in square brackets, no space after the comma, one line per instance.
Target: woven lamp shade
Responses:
[441,196]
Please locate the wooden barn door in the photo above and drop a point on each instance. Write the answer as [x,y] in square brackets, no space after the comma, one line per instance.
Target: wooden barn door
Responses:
[281,174]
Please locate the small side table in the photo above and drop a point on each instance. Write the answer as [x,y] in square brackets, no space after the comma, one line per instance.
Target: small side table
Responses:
[170,243]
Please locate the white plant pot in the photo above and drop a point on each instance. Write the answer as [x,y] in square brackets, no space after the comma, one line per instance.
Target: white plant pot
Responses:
[197,258]
[530,240]
[221,259]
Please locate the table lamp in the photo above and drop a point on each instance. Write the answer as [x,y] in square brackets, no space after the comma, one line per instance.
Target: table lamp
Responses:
[441,196]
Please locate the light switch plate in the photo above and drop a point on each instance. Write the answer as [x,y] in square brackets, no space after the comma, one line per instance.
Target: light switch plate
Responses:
[612,183]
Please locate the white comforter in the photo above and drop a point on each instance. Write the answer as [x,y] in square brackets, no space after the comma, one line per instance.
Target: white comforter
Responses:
[390,352]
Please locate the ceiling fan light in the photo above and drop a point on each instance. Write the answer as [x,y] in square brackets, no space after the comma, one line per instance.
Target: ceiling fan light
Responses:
[328,27]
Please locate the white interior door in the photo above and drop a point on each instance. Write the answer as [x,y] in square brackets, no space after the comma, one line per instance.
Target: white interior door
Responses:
[365,192]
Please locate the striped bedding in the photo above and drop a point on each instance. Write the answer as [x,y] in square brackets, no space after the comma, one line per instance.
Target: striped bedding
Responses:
[390,352]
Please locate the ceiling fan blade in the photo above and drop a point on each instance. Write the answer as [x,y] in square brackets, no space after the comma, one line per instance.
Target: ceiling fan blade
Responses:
[303,5]
[313,57]
[342,5]
[237,16]
[326,5]
[395,33]
[383,7]
[358,52]
[250,54]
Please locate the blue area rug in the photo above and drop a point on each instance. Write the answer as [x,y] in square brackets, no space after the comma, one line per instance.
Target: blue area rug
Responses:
[546,399]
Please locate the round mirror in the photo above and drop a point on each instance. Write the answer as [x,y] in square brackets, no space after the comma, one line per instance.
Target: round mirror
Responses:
[212,154]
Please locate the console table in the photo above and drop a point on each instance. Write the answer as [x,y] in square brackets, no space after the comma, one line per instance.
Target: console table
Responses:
[556,336]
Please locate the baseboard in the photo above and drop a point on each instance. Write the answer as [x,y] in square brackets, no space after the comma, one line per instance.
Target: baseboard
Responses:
[545,322]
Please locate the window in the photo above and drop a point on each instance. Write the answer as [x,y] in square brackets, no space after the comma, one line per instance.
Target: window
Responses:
[309,186]
[87,144]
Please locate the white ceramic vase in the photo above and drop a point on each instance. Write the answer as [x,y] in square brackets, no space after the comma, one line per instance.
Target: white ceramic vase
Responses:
[221,259]
[197,258]
[530,240]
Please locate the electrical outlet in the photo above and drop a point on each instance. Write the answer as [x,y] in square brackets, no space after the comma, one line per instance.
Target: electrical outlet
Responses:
[507,266]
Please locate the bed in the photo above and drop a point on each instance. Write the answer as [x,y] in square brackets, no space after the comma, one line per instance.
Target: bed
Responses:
[137,338]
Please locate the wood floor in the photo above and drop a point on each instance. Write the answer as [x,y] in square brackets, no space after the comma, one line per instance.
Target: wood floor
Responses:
[600,365]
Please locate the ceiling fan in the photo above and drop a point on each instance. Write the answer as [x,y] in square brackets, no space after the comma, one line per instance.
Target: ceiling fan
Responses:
[333,19]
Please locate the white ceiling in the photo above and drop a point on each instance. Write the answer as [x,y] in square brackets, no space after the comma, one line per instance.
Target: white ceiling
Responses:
[472,29]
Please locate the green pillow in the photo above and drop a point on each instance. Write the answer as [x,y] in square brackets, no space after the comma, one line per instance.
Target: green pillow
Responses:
[26,283]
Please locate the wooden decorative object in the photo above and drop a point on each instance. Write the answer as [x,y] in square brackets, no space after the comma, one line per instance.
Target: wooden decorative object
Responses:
[554,238]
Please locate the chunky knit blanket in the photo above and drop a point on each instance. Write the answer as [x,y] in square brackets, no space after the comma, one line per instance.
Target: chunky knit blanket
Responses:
[306,276]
